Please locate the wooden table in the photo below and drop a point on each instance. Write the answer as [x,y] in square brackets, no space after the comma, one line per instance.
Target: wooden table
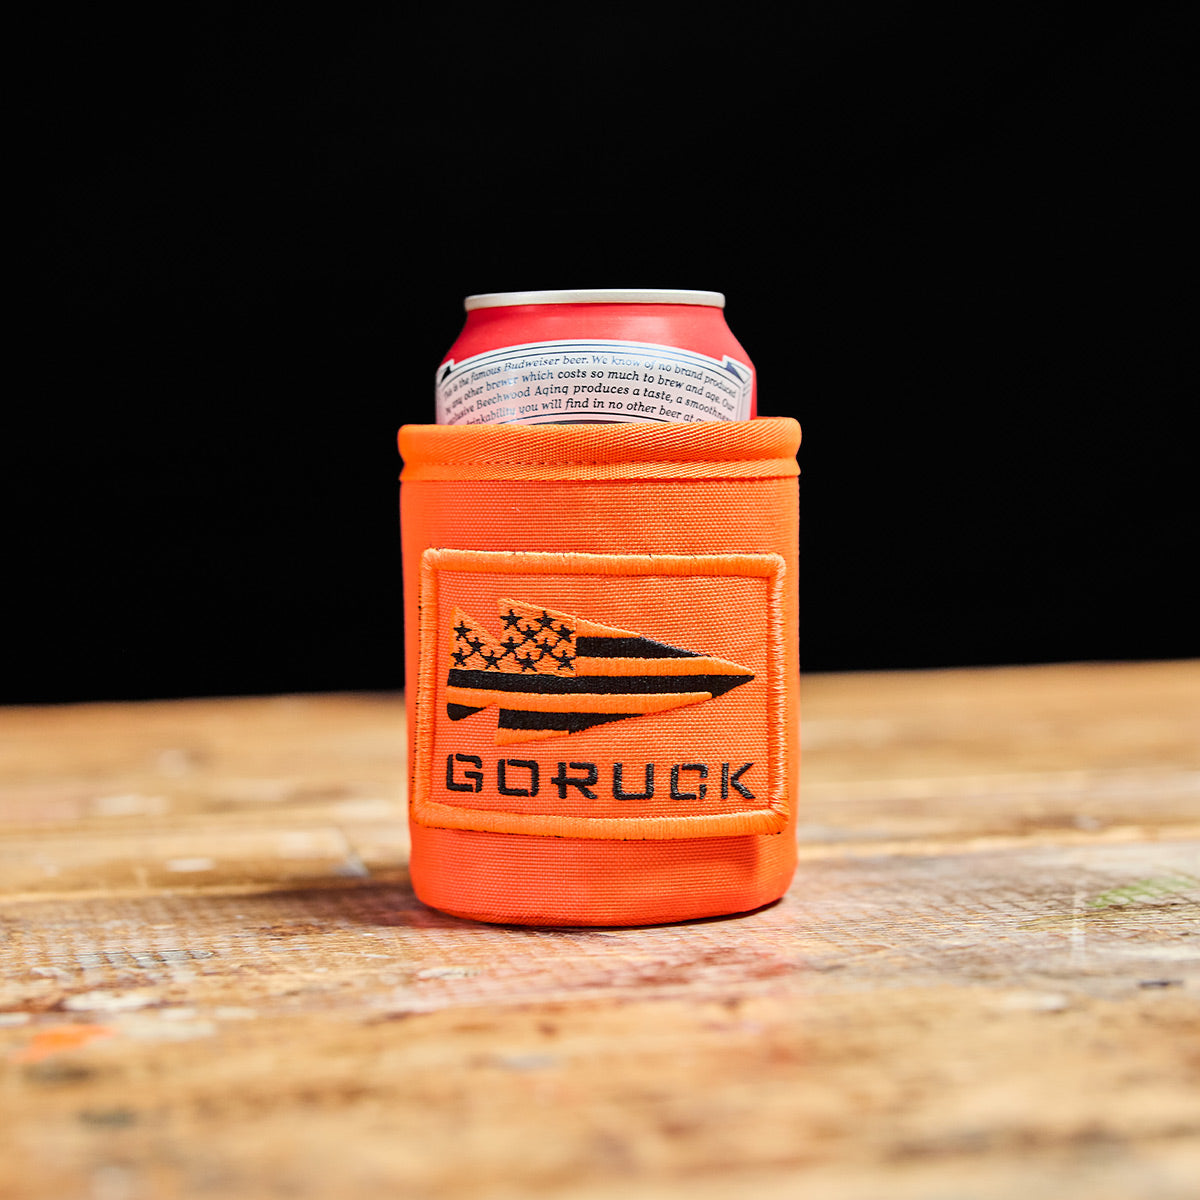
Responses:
[983,983]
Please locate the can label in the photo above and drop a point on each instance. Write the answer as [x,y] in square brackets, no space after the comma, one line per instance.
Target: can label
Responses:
[588,379]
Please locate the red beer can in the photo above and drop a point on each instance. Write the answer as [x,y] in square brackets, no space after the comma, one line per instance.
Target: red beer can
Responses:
[604,355]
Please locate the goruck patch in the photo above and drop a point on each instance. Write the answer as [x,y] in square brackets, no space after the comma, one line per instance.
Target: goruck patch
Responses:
[642,695]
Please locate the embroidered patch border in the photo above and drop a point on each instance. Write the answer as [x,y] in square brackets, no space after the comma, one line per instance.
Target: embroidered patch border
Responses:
[672,673]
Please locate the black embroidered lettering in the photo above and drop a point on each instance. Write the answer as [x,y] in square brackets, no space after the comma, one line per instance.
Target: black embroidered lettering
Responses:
[702,789]
[475,776]
[527,764]
[728,780]
[563,781]
[619,792]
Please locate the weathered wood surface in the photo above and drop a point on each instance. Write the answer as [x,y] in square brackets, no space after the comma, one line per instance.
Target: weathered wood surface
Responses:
[984,982]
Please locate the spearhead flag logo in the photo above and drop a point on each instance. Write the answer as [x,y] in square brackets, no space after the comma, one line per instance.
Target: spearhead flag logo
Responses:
[552,674]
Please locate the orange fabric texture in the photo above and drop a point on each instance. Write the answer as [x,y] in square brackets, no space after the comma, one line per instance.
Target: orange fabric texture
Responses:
[602,621]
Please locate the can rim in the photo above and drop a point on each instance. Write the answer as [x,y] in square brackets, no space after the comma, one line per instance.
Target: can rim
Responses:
[595,296]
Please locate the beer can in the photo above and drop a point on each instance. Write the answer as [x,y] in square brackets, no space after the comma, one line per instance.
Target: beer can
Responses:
[603,355]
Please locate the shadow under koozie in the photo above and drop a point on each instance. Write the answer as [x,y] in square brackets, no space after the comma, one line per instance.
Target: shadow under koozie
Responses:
[601,639]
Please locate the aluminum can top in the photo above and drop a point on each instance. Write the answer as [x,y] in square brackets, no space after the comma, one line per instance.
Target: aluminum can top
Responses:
[594,296]
[595,354]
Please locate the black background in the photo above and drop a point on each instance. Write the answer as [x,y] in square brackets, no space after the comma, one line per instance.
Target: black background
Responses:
[951,239]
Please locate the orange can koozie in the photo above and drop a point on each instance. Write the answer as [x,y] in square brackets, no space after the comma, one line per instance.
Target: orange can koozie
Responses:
[601,632]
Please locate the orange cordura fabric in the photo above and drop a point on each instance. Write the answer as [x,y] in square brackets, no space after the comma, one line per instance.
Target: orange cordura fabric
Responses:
[603,673]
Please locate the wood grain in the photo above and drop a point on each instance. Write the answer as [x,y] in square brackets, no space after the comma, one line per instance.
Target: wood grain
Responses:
[983,983]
